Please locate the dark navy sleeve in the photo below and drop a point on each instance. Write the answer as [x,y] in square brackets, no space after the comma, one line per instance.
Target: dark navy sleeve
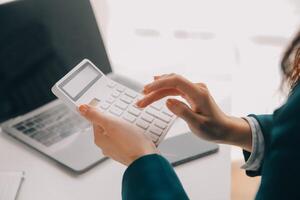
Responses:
[280,171]
[151,177]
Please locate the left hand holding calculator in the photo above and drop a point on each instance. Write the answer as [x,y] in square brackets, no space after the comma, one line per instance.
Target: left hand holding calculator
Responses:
[86,84]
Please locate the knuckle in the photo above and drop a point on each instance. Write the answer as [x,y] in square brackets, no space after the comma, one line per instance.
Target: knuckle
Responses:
[202,85]
[204,92]
[177,78]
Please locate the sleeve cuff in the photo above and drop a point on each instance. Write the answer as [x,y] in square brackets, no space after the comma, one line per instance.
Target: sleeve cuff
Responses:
[255,158]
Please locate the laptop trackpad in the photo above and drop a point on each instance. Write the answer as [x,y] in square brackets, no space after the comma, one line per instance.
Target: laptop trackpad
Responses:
[79,151]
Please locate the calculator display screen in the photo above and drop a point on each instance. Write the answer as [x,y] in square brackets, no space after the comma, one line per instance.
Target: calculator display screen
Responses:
[80,81]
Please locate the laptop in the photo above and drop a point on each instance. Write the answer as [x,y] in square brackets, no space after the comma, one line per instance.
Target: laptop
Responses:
[40,41]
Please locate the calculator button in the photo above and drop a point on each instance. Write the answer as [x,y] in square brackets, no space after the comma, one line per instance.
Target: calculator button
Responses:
[157,105]
[160,124]
[104,106]
[158,115]
[110,100]
[126,99]
[120,88]
[168,112]
[153,137]
[156,131]
[111,84]
[115,111]
[142,124]
[121,105]
[94,102]
[131,94]
[129,117]
[134,111]
[116,94]
[147,118]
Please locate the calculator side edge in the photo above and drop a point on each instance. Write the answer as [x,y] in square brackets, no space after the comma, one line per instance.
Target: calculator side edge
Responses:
[59,94]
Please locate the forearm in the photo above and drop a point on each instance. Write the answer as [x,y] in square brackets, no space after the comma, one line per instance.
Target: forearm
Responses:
[238,133]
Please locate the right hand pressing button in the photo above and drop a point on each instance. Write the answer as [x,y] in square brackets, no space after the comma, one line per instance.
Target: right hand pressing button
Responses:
[202,114]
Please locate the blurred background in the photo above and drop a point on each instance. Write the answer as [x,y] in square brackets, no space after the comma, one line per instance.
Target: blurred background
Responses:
[234,46]
[235,41]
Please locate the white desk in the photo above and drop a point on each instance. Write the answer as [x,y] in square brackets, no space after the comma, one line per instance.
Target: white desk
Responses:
[206,178]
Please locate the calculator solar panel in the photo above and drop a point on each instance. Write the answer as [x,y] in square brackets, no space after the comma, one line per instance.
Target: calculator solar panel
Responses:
[39,41]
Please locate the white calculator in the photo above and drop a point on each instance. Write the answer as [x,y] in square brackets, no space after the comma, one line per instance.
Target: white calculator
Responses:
[86,84]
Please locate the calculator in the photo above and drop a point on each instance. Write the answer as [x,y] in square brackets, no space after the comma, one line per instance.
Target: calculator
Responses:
[86,84]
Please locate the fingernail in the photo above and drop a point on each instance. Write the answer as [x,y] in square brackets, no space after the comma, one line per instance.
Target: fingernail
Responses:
[170,102]
[83,109]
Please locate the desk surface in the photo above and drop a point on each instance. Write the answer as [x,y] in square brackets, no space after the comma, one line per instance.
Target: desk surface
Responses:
[206,178]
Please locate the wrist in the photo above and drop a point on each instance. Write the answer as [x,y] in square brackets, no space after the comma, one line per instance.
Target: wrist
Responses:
[238,133]
[142,154]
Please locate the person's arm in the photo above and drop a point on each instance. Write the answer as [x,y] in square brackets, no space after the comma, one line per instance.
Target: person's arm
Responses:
[280,171]
[151,177]
[126,143]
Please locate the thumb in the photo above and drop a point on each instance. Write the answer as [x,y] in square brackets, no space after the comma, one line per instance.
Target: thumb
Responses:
[181,110]
[94,116]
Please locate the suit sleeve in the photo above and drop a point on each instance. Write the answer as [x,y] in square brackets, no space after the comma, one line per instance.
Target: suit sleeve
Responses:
[281,169]
[265,123]
[151,177]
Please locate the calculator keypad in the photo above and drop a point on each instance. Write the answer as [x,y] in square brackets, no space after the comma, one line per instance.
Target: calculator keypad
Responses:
[153,120]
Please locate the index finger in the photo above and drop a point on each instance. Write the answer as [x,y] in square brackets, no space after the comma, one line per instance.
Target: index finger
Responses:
[173,82]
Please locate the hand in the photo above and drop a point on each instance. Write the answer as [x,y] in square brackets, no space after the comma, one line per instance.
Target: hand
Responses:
[202,114]
[117,139]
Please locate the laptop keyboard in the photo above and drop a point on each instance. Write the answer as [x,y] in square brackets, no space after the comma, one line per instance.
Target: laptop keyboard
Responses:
[52,125]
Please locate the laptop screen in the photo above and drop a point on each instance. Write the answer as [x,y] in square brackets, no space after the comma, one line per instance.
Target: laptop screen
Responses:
[40,41]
